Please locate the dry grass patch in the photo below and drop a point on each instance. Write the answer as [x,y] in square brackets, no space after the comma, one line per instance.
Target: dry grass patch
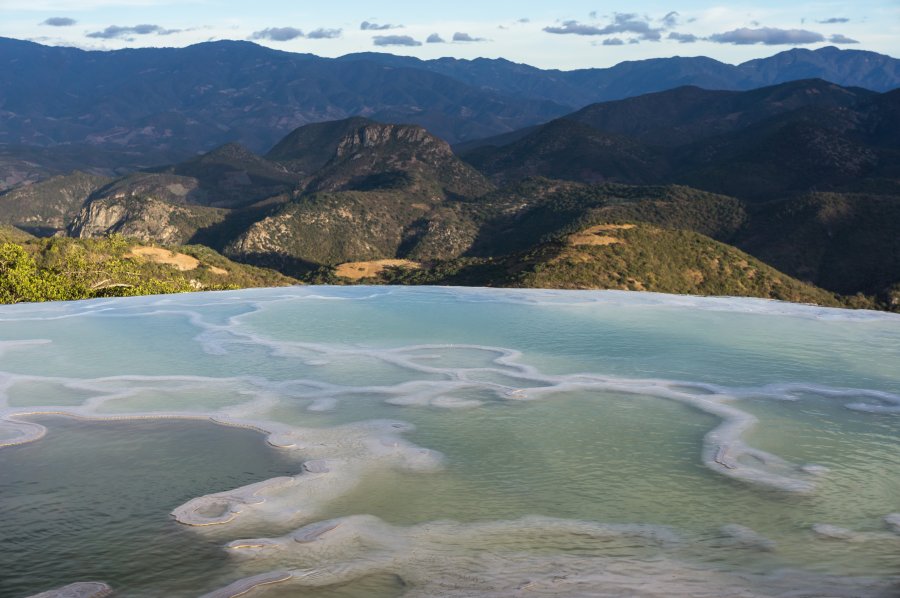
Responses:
[611,227]
[694,276]
[595,236]
[181,261]
[636,285]
[360,270]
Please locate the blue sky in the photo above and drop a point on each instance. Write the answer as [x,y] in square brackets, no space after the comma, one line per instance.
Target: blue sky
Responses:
[563,34]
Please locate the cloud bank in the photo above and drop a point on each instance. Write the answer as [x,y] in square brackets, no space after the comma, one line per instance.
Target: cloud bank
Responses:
[644,28]
[621,23]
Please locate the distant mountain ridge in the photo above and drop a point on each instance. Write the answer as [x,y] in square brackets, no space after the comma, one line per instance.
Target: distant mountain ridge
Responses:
[848,68]
[144,107]
[758,145]
[196,98]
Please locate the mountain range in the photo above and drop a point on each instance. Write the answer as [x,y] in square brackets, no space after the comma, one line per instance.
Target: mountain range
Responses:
[757,145]
[794,180]
[112,112]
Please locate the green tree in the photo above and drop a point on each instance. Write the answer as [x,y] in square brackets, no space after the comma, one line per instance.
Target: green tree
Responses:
[22,281]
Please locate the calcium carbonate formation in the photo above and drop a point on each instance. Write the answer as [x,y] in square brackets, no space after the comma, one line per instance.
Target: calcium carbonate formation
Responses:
[440,376]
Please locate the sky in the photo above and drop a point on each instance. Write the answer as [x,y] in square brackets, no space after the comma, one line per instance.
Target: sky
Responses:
[564,34]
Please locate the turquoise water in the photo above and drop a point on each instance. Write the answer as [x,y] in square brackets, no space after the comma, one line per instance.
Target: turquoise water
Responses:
[455,441]
[93,500]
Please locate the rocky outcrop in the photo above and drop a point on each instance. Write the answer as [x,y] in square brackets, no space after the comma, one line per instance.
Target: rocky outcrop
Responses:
[380,156]
[145,219]
[164,187]
[376,134]
[48,207]
[364,155]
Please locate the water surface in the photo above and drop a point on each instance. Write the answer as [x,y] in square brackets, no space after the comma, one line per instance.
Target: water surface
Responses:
[456,442]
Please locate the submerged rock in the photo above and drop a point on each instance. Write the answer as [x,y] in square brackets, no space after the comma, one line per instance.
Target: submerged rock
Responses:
[316,466]
[244,586]
[834,532]
[740,535]
[81,589]
[893,521]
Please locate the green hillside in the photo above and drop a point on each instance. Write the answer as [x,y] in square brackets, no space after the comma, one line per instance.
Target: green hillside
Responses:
[845,242]
[61,269]
[11,234]
[625,256]
[539,210]
[647,258]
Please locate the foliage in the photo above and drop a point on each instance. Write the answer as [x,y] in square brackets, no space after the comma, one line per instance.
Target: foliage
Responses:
[845,242]
[542,210]
[11,234]
[669,261]
[643,257]
[60,269]
[22,281]
[64,269]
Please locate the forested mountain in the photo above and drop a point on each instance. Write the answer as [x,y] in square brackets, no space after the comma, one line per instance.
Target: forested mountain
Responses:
[758,145]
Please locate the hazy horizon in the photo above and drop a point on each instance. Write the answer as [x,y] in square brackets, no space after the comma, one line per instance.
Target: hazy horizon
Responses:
[568,35]
[772,51]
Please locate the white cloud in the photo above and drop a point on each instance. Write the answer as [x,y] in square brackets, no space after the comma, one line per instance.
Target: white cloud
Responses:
[278,34]
[621,23]
[460,36]
[683,38]
[671,19]
[370,26]
[322,33]
[837,38]
[395,40]
[118,32]
[59,22]
[770,36]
